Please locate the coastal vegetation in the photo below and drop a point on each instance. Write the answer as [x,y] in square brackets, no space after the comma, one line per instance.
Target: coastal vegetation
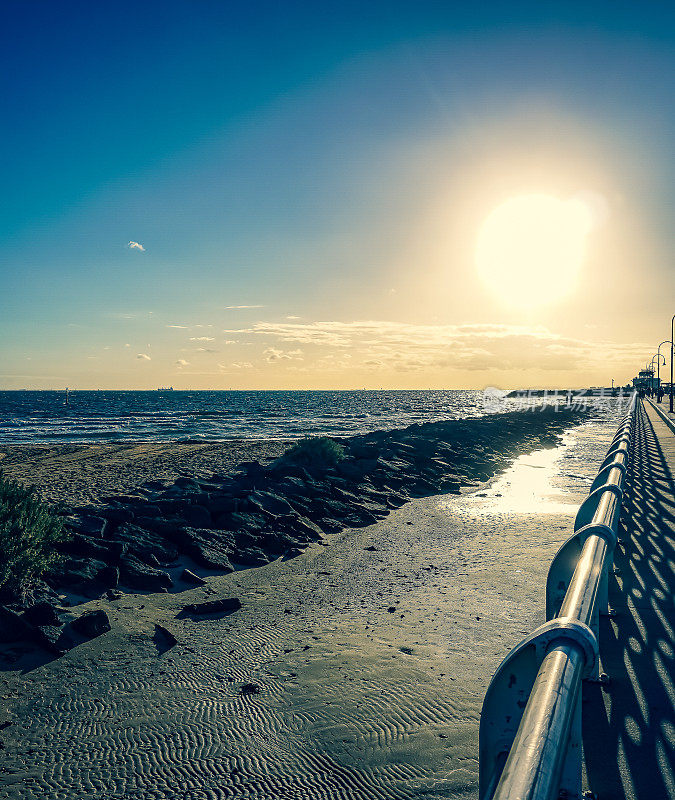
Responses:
[316,451]
[29,533]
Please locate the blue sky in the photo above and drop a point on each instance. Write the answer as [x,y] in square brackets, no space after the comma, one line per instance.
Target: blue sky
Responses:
[327,168]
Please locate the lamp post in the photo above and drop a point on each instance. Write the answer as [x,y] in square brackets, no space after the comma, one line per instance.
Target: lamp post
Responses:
[658,363]
[658,369]
[672,324]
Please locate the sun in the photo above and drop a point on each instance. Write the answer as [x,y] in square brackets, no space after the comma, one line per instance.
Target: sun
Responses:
[531,248]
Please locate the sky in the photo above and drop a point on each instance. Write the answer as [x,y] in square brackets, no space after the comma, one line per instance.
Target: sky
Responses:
[295,195]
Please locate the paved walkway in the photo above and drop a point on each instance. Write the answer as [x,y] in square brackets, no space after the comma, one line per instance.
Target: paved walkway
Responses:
[629,727]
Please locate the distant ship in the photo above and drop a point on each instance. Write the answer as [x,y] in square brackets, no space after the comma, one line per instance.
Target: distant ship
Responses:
[165,389]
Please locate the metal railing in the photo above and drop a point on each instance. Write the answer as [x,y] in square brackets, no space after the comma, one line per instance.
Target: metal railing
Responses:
[530,728]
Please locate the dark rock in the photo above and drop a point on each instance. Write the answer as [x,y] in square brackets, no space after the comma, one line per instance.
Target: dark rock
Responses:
[224,604]
[144,543]
[186,483]
[75,573]
[189,577]
[118,515]
[372,548]
[42,614]
[239,521]
[87,525]
[138,575]
[271,503]
[221,504]
[164,639]
[13,627]
[56,640]
[250,688]
[92,623]
[251,557]
[197,516]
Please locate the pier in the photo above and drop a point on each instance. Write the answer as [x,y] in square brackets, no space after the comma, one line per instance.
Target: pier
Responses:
[613,737]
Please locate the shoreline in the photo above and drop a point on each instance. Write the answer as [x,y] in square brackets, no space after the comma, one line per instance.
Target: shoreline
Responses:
[348,697]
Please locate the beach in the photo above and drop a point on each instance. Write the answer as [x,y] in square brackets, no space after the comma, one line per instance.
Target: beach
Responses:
[83,473]
[356,668]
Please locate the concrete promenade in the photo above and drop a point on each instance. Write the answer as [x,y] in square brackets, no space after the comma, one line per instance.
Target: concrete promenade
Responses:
[629,726]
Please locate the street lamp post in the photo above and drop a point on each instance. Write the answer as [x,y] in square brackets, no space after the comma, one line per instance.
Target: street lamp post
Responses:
[658,363]
[658,369]
[672,324]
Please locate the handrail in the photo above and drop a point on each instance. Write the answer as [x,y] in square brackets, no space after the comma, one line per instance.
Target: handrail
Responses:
[531,716]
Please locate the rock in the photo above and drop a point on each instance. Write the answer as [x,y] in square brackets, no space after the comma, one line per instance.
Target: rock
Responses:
[137,575]
[92,623]
[251,557]
[42,614]
[118,515]
[189,577]
[240,521]
[271,503]
[250,688]
[221,504]
[56,640]
[164,639]
[186,483]
[372,548]
[88,525]
[75,573]
[197,516]
[144,543]
[226,604]
[13,627]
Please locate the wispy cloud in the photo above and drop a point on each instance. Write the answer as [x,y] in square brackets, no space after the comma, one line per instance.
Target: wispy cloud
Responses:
[136,246]
[239,308]
[399,346]
[182,327]
[143,356]
[202,339]
[274,354]
[182,362]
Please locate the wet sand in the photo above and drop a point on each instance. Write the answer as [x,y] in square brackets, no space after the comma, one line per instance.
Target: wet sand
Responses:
[81,474]
[371,663]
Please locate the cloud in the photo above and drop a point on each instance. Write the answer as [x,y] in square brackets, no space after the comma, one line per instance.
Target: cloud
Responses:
[202,339]
[182,327]
[239,308]
[136,246]
[404,347]
[143,356]
[293,316]
[274,354]
[182,362]
[230,341]
[206,350]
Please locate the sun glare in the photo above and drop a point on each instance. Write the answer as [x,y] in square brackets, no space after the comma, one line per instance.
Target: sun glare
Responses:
[531,248]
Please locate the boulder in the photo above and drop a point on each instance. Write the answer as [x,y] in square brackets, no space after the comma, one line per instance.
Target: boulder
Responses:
[189,577]
[42,613]
[251,557]
[13,627]
[138,575]
[91,623]
[197,516]
[224,604]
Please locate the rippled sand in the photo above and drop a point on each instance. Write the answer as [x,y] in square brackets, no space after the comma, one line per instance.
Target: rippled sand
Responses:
[355,701]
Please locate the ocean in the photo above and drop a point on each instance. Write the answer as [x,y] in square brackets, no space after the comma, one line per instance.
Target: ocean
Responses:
[96,416]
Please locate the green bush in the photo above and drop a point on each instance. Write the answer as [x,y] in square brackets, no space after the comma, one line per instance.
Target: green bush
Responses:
[316,452]
[28,533]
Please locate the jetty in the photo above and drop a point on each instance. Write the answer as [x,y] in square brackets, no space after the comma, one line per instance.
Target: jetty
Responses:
[584,707]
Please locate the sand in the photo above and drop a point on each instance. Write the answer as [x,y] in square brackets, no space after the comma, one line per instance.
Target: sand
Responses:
[81,474]
[355,700]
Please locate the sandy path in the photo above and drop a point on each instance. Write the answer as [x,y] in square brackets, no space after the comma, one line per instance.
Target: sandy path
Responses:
[356,701]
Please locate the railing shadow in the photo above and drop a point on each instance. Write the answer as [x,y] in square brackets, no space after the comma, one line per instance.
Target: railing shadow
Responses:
[629,727]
